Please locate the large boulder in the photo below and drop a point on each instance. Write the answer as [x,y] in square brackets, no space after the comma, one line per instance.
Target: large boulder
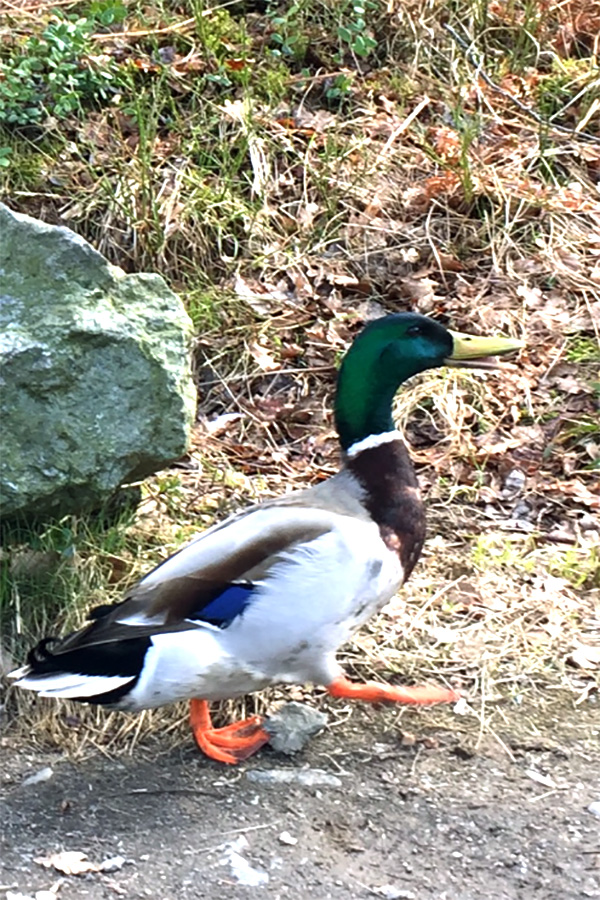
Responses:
[95,384]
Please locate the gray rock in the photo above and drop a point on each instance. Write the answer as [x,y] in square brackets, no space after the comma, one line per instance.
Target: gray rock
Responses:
[303,777]
[594,808]
[292,726]
[95,386]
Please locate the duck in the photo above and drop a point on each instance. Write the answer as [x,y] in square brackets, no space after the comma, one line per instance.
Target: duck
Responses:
[269,595]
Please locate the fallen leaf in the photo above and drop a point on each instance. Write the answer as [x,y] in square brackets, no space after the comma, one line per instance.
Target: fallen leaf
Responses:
[449,263]
[571,385]
[236,65]
[575,489]
[69,862]
[263,357]
[263,302]
[221,423]
[586,656]
[422,292]
[145,65]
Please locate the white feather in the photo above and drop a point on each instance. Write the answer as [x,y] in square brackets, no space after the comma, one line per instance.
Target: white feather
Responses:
[69,685]
[138,618]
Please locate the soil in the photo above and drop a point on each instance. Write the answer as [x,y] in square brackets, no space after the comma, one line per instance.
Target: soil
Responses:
[417,813]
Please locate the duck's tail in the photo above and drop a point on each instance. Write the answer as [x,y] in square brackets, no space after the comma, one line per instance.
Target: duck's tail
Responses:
[94,674]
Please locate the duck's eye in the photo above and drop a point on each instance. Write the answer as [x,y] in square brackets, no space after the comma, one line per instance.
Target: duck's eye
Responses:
[413,331]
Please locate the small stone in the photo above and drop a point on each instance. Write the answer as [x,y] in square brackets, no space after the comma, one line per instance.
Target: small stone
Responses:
[514,482]
[44,774]
[243,872]
[390,892]
[292,726]
[114,864]
[594,808]
[303,777]
[522,511]
[286,838]
[461,707]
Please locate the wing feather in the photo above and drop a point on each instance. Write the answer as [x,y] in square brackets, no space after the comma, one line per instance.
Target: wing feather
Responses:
[171,597]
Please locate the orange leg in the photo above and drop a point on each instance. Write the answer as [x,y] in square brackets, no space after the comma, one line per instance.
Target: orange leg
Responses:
[231,744]
[373,692]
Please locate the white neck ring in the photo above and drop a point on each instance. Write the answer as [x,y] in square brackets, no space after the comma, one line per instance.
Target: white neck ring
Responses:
[372,441]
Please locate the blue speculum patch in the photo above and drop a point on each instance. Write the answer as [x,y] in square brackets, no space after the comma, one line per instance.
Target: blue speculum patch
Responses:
[231,602]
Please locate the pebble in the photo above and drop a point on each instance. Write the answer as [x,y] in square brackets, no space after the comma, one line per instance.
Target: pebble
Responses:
[390,892]
[243,872]
[514,482]
[44,774]
[303,777]
[594,808]
[522,511]
[292,726]
[114,864]
[286,838]
[461,707]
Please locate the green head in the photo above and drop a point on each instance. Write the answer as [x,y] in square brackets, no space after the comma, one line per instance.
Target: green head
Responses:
[386,353]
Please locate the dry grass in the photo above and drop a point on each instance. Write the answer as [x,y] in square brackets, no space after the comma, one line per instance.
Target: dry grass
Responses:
[288,200]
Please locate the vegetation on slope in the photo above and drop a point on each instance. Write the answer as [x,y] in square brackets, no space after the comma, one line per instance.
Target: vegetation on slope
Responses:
[294,169]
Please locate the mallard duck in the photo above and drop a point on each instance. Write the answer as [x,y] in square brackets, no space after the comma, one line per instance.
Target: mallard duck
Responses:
[270,594]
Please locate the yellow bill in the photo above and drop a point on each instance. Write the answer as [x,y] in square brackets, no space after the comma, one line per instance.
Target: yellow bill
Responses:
[474,352]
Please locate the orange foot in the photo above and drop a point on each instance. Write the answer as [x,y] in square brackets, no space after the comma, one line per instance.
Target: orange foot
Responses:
[230,744]
[375,693]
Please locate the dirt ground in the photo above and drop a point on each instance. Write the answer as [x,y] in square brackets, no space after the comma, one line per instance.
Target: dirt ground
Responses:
[407,811]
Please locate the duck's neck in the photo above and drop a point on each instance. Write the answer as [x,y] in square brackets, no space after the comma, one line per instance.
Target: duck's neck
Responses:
[361,414]
[374,452]
[391,495]
[365,392]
